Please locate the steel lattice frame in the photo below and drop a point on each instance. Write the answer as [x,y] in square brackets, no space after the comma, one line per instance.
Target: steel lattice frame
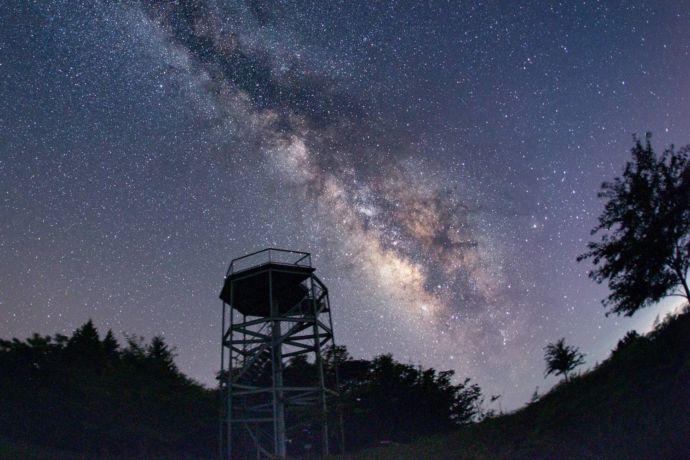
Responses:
[254,348]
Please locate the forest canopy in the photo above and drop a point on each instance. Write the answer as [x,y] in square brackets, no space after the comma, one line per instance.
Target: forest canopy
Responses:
[89,395]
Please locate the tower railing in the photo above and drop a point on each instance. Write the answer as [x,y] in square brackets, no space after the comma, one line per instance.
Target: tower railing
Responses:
[269,256]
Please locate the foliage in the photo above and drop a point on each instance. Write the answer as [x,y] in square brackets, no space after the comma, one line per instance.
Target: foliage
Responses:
[630,339]
[535,396]
[396,402]
[644,253]
[387,401]
[90,397]
[562,359]
[85,395]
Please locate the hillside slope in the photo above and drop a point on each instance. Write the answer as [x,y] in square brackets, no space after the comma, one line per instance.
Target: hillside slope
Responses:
[636,404]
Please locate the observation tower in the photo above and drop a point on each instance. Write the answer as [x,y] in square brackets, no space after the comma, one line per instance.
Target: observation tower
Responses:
[275,309]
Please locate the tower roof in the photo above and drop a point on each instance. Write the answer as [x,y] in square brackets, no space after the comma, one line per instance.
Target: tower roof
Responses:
[246,286]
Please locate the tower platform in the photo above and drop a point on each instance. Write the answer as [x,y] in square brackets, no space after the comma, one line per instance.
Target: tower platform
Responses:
[247,290]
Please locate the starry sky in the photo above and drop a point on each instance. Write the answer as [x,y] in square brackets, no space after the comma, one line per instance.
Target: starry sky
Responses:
[440,160]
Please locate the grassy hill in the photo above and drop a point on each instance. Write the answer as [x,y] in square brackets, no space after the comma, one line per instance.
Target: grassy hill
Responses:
[635,405]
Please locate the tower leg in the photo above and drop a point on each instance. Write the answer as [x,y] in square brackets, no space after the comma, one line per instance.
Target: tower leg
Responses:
[277,363]
[229,395]
[278,401]
[319,366]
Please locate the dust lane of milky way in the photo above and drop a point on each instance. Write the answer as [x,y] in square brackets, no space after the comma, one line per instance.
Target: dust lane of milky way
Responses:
[414,242]
[441,162]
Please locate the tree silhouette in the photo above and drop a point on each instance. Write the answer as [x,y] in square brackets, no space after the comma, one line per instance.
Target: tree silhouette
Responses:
[85,339]
[90,398]
[110,345]
[93,398]
[161,355]
[644,253]
[561,359]
[385,400]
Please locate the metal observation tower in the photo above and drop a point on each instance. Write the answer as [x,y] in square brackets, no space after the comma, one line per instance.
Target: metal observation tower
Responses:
[275,309]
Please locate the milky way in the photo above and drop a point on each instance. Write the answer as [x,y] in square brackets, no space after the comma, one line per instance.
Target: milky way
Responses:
[440,161]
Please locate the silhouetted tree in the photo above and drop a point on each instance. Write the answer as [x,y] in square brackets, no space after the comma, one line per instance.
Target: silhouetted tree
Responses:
[161,355]
[300,372]
[561,359]
[334,355]
[110,345]
[387,400]
[628,339]
[644,253]
[89,397]
[535,396]
[85,345]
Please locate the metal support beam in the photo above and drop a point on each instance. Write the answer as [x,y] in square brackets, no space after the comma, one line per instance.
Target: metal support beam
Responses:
[285,312]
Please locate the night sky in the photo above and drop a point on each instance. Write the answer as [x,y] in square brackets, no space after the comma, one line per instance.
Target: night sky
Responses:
[439,159]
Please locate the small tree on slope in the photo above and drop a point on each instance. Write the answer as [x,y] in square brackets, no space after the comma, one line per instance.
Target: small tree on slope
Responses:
[562,359]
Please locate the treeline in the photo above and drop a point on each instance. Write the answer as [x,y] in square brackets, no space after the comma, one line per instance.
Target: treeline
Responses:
[91,396]
[383,400]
